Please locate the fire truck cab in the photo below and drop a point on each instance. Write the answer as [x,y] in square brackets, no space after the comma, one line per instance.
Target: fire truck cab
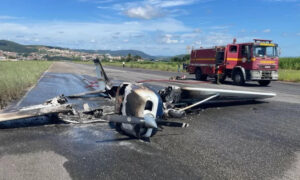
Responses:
[253,61]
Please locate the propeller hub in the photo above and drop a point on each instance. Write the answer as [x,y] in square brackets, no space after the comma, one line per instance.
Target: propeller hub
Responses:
[150,121]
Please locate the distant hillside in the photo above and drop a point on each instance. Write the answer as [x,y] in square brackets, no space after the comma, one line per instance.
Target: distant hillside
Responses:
[120,53]
[15,47]
[50,47]
[19,48]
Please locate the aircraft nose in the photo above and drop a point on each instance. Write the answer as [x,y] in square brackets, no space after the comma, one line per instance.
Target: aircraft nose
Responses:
[150,121]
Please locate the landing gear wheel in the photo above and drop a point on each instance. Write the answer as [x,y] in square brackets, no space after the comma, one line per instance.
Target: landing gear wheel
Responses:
[199,75]
[264,82]
[238,78]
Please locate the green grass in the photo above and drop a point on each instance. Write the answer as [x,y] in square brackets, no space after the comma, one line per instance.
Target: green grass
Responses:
[163,66]
[289,75]
[289,63]
[16,77]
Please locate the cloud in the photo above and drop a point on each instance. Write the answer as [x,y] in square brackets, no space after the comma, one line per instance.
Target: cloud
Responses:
[222,27]
[103,7]
[150,9]
[298,34]
[9,17]
[267,30]
[197,30]
[198,43]
[243,30]
[167,38]
[212,39]
[167,3]
[189,35]
[147,12]
[80,35]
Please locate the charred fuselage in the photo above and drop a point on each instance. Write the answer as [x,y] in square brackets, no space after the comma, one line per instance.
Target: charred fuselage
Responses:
[133,99]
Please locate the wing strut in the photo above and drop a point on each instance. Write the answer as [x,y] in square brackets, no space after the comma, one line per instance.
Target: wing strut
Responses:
[178,113]
[200,102]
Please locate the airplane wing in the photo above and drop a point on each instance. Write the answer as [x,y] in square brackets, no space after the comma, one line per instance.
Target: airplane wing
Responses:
[34,112]
[52,106]
[197,96]
[196,93]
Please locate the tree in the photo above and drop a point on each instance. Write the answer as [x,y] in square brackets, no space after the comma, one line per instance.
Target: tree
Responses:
[137,57]
[129,57]
[181,58]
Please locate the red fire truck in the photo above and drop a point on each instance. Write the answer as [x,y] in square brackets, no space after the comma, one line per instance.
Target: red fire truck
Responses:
[254,61]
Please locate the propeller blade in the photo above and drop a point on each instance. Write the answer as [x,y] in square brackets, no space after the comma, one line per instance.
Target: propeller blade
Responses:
[172,124]
[147,122]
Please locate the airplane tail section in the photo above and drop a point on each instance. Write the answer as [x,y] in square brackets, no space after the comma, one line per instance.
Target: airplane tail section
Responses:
[102,78]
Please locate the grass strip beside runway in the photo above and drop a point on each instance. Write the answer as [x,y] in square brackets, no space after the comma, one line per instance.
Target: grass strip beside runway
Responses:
[17,76]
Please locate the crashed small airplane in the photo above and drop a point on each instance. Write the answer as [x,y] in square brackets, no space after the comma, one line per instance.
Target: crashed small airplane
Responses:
[134,108]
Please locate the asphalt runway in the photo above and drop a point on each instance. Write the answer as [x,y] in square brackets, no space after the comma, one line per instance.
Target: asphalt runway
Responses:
[260,140]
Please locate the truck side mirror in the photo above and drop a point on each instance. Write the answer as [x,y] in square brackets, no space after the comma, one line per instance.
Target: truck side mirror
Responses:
[279,51]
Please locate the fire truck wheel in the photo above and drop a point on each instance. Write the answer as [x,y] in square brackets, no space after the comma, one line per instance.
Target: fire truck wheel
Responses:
[203,77]
[238,78]
[264,82]
[199,75]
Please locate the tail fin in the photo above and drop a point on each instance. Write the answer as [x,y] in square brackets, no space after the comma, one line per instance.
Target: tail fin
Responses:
[102,78]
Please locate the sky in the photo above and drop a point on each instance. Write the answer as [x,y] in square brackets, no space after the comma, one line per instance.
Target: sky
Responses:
[156,27]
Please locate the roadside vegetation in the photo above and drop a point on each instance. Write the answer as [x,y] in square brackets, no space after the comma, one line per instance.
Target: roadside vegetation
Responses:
[171,65]
[289,63]
[17,76]
[162,66]
[289,75]
[289,67]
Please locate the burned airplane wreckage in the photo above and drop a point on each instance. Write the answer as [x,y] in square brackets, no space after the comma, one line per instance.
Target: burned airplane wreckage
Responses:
[134,108]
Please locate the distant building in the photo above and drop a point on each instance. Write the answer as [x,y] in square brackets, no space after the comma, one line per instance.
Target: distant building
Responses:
[116,58]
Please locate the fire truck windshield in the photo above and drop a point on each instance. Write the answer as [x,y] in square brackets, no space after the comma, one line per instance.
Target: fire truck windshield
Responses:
[260,51]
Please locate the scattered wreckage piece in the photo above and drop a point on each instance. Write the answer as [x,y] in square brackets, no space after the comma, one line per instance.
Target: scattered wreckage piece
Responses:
[136,109]
[183,77]
[53,106]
